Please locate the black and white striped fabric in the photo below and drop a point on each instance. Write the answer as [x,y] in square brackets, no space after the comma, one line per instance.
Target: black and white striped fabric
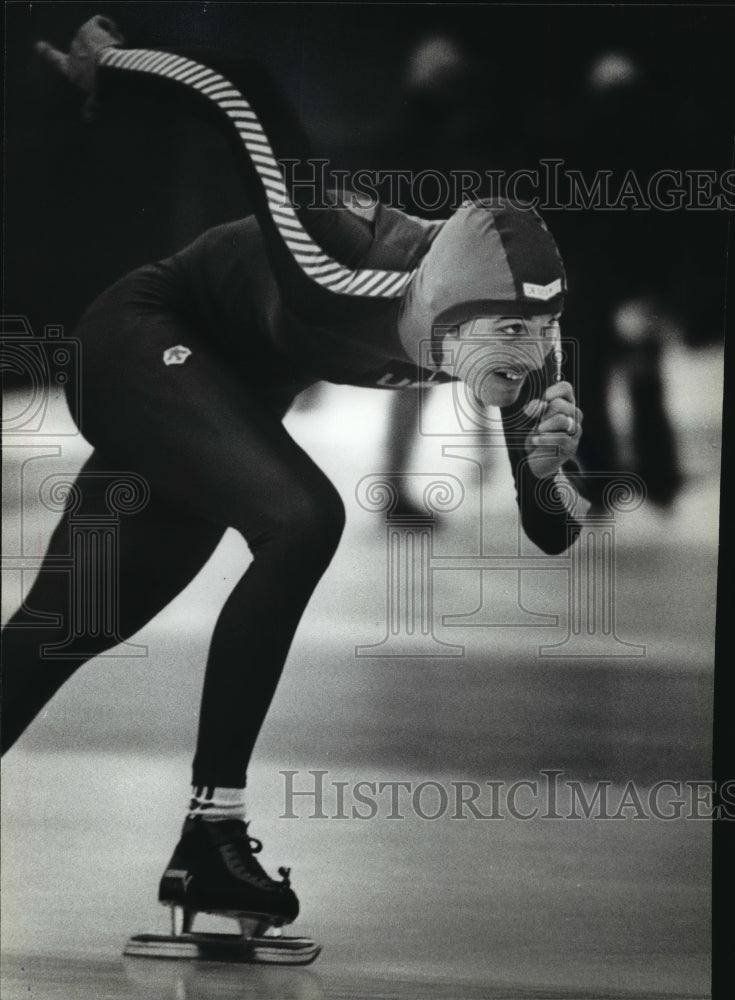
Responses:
[315,263]
[210,802]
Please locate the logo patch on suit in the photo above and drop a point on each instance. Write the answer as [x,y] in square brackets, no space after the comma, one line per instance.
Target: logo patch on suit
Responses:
[176,355]
[543,292]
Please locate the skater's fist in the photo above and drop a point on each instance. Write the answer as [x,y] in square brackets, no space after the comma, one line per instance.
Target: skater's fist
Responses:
[79,64]
[555,438]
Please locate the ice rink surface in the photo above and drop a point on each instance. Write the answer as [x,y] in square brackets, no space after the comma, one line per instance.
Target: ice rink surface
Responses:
[411,907]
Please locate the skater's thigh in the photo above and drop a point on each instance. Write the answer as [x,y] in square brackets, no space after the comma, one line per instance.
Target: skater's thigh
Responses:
[206,435]
[222,453]
[113,512]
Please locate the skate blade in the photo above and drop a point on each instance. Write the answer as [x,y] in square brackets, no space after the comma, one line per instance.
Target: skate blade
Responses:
[224,948]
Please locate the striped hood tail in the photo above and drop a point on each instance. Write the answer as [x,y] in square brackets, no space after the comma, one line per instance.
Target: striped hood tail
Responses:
[324,258]
[490,258]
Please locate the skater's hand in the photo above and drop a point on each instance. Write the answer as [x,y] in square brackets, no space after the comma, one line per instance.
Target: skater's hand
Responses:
[556,436]
[80,63]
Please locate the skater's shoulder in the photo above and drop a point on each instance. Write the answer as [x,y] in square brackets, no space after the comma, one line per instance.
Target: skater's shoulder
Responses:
[237,230]
[228,237]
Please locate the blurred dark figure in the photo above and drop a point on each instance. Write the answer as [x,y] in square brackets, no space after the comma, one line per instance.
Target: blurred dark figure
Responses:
[619,268]
[439,105]
[450,118]
[641,336]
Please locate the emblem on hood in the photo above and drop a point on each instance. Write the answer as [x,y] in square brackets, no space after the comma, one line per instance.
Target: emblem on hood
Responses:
[544,292]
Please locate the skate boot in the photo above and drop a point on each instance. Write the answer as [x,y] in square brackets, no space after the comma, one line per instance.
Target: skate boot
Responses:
[214,870]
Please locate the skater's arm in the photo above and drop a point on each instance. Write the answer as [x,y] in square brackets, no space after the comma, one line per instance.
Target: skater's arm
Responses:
[319,254]
[542,437]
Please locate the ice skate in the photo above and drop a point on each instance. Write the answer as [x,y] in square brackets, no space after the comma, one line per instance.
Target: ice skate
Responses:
[213,870]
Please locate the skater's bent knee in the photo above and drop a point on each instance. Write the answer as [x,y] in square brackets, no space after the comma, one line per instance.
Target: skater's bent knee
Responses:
[315,519]
[305,522]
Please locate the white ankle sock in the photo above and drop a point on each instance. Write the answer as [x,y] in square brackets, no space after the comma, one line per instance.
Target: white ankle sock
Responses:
[212,803]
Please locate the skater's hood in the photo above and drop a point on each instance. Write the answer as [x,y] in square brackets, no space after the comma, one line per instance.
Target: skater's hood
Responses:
[489,259]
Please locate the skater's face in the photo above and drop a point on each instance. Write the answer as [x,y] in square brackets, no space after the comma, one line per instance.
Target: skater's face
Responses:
[494,354]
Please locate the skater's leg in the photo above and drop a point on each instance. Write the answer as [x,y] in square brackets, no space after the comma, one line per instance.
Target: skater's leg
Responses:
[244,471]
[210,439]
[159,551]
[292,519]
[207,435]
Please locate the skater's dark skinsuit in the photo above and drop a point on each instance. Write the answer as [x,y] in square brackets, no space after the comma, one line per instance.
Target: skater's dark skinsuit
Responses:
[207,433]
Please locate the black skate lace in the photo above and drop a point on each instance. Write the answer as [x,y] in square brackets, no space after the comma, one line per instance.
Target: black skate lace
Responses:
[241,862]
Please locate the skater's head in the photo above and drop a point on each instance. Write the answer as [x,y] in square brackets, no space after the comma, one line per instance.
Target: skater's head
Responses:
[487,295]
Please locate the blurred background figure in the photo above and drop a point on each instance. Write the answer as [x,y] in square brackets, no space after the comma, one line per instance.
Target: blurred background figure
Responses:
[440,108]
[645,442]
[619,268]
[449,120]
